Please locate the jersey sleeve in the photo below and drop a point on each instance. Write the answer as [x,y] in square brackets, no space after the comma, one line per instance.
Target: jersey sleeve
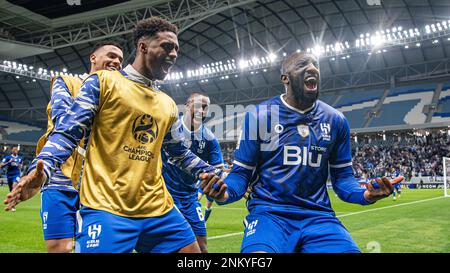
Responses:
[341,154]
[341,172]
[74,125]
[177,151]
[61,100]
[246,159]
[215,154]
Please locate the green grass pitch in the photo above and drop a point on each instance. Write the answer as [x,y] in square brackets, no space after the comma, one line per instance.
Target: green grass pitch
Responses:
[418,222]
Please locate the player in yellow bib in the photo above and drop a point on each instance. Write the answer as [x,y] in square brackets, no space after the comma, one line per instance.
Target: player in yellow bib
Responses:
[59,198]
[125,204]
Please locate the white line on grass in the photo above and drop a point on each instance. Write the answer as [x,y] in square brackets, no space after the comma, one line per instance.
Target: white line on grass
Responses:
[340,216]
[388,207]
[225,235]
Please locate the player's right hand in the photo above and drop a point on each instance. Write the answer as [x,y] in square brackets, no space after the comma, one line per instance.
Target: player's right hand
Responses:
[214,187]
[27,187]
[380,188]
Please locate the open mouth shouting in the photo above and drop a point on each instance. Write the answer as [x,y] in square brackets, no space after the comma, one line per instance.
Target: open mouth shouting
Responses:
[166,65]
[311,83]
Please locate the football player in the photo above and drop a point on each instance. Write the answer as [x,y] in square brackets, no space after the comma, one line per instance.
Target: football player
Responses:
[289,207]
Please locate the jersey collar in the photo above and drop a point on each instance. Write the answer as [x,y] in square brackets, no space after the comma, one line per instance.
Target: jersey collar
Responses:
[295,109]
[84,76]
[135,76]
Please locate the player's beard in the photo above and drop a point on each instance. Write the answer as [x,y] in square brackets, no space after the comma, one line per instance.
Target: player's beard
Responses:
[298,90]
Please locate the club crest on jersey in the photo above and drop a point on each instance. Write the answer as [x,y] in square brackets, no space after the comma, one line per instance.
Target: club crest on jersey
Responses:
[145,129]
[325,128]
[303,130]
[94,232]
[201,146]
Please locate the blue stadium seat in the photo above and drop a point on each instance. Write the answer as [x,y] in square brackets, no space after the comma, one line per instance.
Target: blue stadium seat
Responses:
[444,102]
[412,89]
[29,136]
[393,113]
[359,96]
[356,118]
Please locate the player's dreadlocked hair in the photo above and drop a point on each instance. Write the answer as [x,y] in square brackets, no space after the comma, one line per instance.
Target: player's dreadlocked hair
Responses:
[149,27]
[105,43]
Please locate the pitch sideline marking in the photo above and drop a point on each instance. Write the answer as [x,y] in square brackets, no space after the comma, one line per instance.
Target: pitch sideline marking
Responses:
[340,216]
[387,207]
[225,235]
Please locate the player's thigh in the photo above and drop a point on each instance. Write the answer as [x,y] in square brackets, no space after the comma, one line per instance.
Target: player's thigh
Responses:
[165,234]
[58,213]
[64,245]
[10,184]
[326,235]
[103,232]
[192,211]
[264,232]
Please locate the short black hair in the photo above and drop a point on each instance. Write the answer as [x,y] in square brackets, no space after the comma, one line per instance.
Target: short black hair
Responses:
[101,44]
[286,66]
[150,27]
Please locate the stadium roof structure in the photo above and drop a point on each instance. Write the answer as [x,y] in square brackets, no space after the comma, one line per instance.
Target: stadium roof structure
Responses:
[57,35]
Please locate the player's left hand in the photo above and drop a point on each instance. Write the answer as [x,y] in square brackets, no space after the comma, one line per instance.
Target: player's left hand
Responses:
[383,190]
[214,187]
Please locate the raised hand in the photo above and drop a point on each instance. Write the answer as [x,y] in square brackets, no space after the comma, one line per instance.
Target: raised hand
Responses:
[380,188]
[27,187]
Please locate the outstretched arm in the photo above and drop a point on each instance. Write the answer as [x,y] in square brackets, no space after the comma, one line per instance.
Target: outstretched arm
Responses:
[232,190]
[343,180]
[28,186]
[61,142]
[246,157]
[72,127]
[179,154]
[61,100]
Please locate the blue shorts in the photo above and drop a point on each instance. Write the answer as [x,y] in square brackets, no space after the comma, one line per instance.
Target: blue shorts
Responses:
[58,213]
[276,233]
[104,232]
[13,179]
[192,211]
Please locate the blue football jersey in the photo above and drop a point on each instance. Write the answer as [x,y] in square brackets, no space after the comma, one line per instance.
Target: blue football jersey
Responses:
[203,144]
[394,175]
[13,168]
[290,152]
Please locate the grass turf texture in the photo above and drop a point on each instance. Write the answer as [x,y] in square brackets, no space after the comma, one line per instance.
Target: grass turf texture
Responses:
[417,222]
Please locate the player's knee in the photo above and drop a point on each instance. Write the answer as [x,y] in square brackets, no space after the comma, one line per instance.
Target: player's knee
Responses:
[201,240]
[203,248]
[190,248]
[60,245]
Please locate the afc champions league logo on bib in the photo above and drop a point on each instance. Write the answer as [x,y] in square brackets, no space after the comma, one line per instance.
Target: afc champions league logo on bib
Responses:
[145,129]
